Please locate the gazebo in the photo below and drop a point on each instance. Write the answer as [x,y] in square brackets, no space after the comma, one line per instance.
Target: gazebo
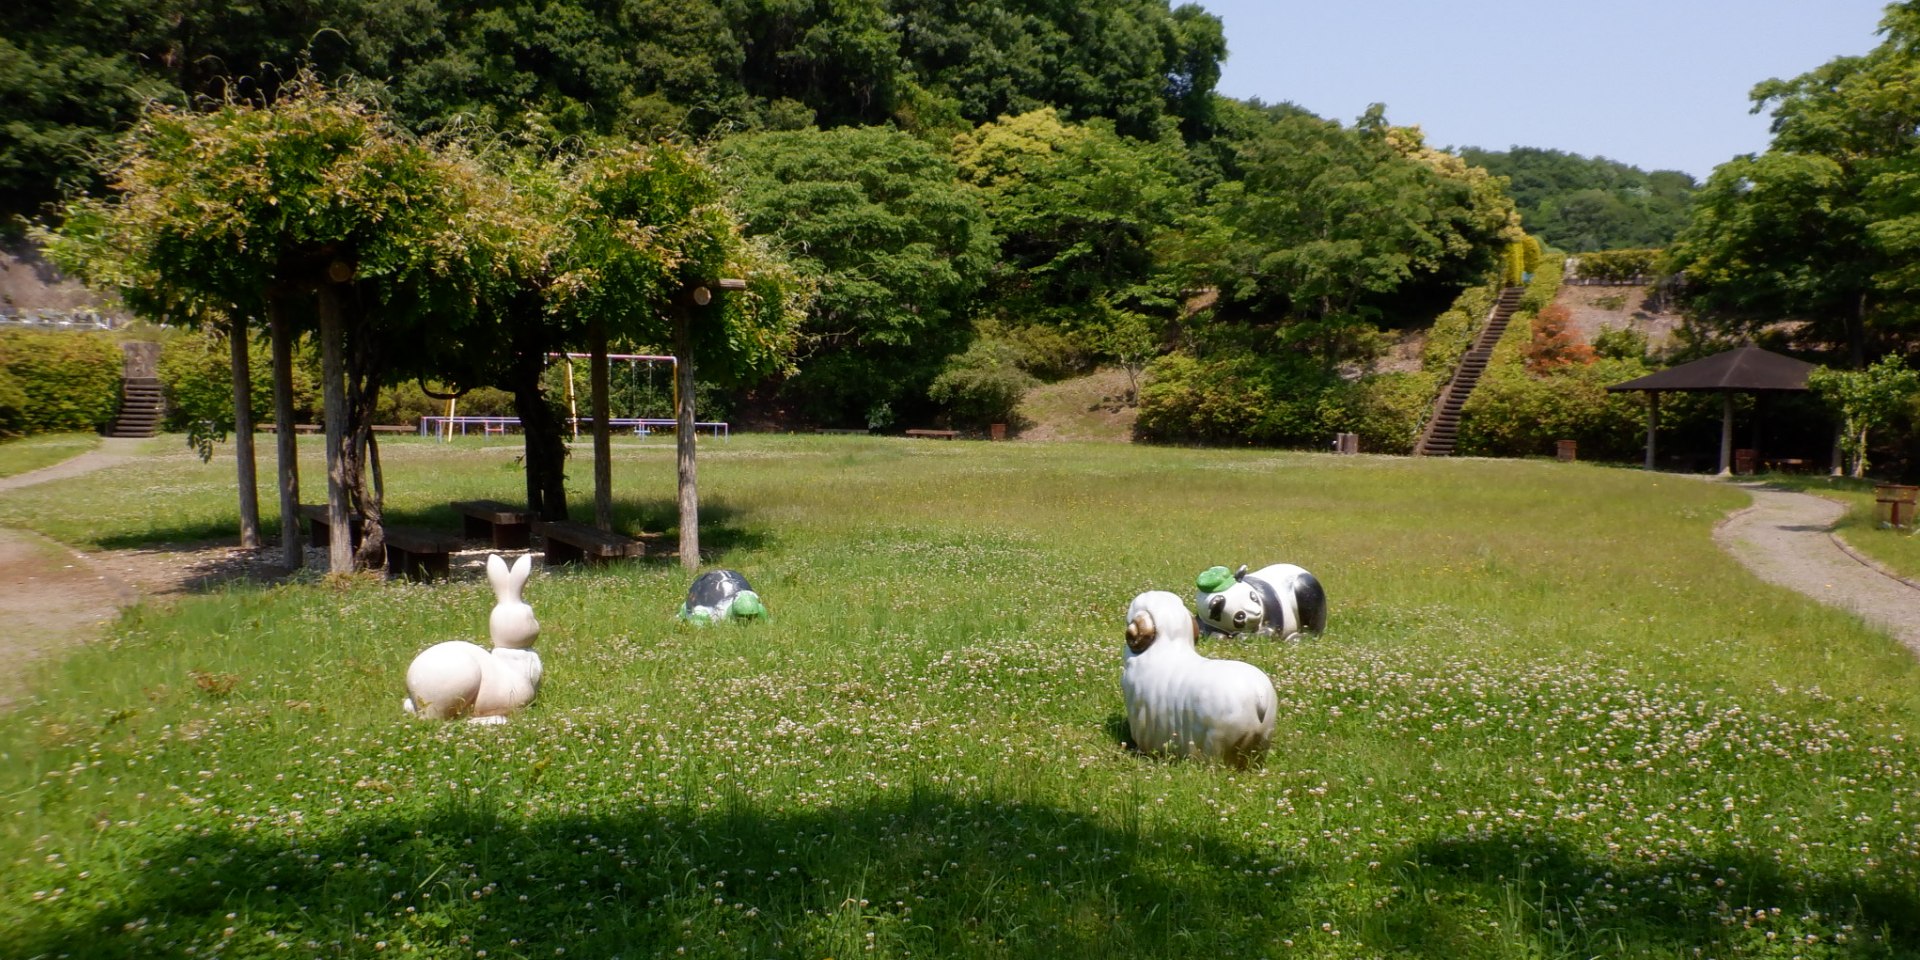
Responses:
[1747,369]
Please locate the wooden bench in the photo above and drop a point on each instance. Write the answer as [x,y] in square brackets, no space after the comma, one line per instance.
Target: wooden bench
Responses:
[934,434]
[506,526]
[1897,499]
[270,427]
[319,530]
[840,430]
[569,541]
[418,554]
[393,428]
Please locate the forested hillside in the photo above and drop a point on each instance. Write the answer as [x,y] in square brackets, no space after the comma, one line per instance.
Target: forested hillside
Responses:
[1581,204]
[980,195]
[72,75]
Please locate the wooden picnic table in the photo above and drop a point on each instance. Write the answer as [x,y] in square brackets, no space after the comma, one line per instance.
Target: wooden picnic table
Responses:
[506,526]
[570,541]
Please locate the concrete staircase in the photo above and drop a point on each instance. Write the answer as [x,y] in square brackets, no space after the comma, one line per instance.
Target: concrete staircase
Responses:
[1443,426]
[141,407]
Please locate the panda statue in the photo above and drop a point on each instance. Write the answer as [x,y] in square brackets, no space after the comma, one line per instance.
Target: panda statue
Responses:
[721,595]
[1280,600]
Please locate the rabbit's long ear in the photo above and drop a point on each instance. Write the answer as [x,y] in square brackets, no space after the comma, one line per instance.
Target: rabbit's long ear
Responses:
[496,572]
[522,569]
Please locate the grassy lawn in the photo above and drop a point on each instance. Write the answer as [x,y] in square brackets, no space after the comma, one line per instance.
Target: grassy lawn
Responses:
[1896,549]
[32,453]
[1549,719]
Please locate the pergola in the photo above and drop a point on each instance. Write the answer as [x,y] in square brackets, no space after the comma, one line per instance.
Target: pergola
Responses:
[1747,369]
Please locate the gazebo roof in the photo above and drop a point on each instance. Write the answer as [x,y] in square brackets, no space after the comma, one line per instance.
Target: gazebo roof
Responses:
[1746,369]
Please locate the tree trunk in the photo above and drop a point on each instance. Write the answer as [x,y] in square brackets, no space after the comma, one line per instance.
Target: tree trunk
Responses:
[363,396]
[602,443]
[243,437]
[333,393]
[683,438]
[544,434]
[286,442]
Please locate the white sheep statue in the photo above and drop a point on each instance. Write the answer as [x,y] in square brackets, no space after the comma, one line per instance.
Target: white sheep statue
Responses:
[1279,600]
[1181,703]
[461,679]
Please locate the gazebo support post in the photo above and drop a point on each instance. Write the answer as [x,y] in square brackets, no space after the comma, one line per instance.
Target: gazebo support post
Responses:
[1726,433]
[1653,423]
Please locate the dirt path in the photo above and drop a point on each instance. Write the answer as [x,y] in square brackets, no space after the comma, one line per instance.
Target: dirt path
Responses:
[112,451]
[52,596]
[1783,538]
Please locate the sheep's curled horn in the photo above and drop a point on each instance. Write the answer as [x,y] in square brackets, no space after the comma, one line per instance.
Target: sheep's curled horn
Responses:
[1141,632]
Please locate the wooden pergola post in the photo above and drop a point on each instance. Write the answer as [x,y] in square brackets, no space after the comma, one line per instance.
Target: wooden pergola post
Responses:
[1726,433]
[689,491]
[602,437]
[1653,423]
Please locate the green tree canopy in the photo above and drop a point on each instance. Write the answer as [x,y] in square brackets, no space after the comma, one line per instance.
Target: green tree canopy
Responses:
[73,75]
[898,246]
[1824,225]
[1079,209]
[1326,225]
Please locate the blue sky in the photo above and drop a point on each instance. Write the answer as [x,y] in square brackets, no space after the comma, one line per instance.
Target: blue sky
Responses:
[1659,85]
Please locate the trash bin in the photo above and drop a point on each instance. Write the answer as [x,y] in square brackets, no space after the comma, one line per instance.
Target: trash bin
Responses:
[1743,461]
[1566,450]
[1895,503]
[998,431]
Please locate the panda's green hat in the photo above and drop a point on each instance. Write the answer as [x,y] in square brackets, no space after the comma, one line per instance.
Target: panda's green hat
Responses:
[1214,579]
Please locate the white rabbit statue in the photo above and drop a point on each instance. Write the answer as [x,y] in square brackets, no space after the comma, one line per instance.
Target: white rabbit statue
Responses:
[461,679]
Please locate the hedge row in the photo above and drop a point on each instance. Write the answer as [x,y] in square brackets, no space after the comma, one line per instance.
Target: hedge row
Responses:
[1618,265]
[57,382]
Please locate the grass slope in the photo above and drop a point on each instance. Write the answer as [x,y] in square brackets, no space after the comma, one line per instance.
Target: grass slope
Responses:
[1548,719]
[1092,407]
[43,450]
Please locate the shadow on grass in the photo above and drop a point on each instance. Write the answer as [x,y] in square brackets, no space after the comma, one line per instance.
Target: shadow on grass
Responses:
[927,874]
[1576,905]
[207,547]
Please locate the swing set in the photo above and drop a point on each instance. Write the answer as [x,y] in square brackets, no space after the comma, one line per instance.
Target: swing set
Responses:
[446,426]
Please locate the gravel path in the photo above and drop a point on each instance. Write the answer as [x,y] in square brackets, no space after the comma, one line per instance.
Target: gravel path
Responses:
[1783,538]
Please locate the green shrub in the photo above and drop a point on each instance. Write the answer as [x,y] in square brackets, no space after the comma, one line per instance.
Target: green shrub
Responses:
[408,402]
[196,372]
[67,381]
[1385,410]
[984,384]
[1050,352]
[1620,343]
[1453,331]
[1514,415]
[1234,397]
[13,406]
[1619,264]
